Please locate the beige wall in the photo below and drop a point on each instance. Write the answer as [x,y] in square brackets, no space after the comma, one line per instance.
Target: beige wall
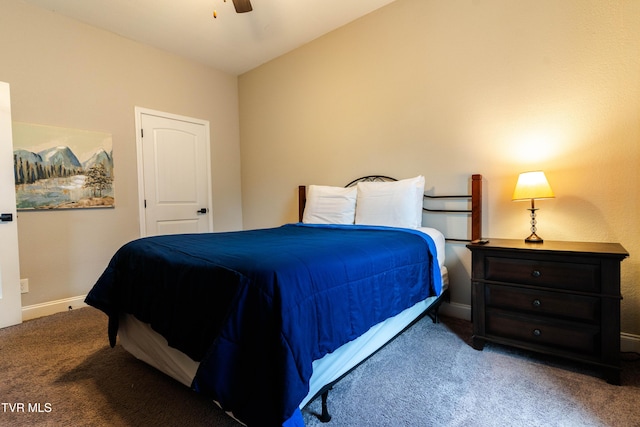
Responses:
[64,73]
[451,88]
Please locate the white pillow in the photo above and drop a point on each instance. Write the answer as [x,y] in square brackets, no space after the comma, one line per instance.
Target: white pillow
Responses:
[330,205]
[394,204]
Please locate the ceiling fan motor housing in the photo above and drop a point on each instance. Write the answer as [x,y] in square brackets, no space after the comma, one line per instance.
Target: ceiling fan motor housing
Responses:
[242,6]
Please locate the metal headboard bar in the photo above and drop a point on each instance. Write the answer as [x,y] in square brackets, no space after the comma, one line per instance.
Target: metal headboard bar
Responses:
[462,211]
[475,212]
[448,197]
[370,178]
[449,210]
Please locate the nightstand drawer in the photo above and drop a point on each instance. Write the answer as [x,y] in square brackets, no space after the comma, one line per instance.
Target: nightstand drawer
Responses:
[537,331]
[535,301]
[561,275]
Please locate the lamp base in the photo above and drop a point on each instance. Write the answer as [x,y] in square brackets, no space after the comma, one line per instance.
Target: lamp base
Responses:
[534,238]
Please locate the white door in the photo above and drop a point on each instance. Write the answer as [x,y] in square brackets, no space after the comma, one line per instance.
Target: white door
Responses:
[173,157]
[10,300]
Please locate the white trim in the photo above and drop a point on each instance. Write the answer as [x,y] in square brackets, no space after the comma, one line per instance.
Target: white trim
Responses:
[139,111]
[457,310]
[52,307]
[629,342]
[142,217]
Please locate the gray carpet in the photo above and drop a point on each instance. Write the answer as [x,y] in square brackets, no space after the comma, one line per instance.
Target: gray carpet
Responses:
[431,376]
[61,369]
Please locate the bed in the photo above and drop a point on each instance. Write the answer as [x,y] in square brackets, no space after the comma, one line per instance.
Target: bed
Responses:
[264,321]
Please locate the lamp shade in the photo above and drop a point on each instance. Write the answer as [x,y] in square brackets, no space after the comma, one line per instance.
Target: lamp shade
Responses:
[532,185]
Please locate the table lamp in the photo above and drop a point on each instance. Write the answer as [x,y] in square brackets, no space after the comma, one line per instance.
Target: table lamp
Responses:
[532,186]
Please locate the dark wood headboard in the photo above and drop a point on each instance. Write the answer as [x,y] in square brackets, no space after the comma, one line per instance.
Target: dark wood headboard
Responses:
[475,197]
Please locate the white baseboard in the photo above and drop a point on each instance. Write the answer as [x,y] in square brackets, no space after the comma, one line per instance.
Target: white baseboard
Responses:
[457,310]
[52,307]
[628,342]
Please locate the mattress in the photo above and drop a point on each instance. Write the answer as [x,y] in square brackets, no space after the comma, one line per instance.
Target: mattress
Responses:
[145,344]
[139,339]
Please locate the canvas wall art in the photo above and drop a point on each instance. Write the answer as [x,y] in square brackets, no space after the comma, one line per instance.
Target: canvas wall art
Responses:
[61,168]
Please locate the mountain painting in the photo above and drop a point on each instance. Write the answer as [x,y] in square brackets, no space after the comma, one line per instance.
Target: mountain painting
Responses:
[61,168]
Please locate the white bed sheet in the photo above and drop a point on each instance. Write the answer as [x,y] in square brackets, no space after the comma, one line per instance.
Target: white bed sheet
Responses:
[152,348]
[439,240]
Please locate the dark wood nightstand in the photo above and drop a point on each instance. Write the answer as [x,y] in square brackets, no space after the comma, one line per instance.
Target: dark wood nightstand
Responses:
[558,298]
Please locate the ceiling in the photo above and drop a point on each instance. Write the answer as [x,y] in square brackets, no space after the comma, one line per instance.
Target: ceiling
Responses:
[232,42]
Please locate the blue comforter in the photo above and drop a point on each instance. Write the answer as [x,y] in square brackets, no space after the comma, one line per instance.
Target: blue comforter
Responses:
[255,308]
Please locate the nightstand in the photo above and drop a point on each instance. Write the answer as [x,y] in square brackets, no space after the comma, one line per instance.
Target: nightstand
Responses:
[557,298]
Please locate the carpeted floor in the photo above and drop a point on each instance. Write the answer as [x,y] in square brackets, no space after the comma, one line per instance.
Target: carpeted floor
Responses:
[60,371]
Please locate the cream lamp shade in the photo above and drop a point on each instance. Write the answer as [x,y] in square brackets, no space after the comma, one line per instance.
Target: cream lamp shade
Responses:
[532,186]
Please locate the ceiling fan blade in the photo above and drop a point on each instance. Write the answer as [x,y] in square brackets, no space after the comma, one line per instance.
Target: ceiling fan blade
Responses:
[242,6]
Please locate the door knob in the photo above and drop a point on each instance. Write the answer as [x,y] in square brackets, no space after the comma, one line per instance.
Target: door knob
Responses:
[6,217]
[202,211]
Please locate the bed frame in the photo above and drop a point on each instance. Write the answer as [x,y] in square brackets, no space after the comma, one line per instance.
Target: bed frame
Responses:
[475,200]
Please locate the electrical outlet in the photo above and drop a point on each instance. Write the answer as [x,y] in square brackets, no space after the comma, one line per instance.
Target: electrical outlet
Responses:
[24,286]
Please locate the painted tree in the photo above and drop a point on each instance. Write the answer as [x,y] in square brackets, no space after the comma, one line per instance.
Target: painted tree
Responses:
[97,179]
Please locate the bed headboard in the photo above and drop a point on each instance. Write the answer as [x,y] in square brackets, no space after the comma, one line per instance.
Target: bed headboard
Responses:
[475,199]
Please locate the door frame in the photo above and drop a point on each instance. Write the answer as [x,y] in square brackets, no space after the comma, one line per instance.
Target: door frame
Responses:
[139,111]
[10,297]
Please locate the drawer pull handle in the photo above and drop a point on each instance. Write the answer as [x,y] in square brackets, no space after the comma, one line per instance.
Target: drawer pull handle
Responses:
[536,273]
[537,332]
[537,303]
